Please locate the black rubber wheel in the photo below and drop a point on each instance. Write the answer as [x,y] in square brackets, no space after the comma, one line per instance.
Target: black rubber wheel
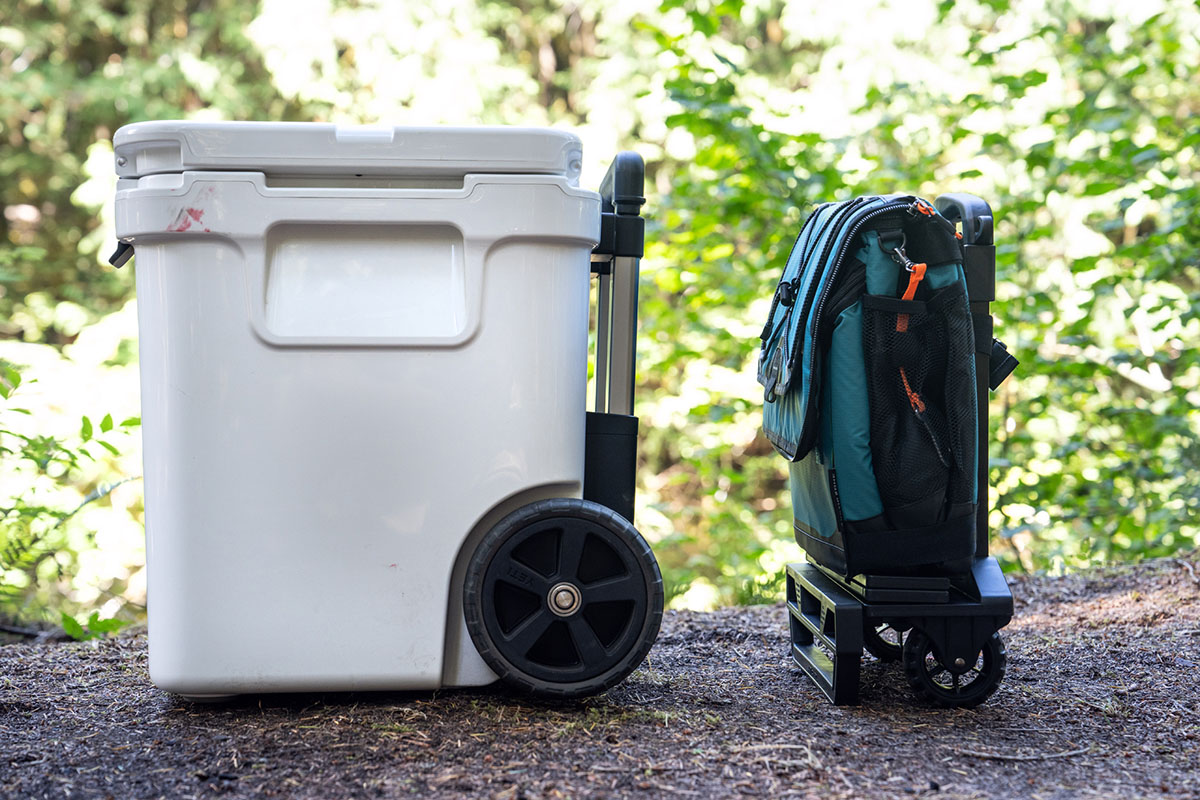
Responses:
[884,640]
[563,598]
[963,687]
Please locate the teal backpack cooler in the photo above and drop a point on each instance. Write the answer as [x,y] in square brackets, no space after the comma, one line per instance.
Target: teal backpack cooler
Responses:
[875,392]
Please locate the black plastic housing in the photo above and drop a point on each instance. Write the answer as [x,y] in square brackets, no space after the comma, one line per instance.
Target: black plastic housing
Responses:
[610,461]
[827,617]
[1003,363]
[622,229]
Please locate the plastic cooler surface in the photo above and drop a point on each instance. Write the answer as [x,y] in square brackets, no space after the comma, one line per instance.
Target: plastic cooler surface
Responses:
[340,383]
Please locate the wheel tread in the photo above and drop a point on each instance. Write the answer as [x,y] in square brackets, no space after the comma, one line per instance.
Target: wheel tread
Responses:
[918,644]
[473,601]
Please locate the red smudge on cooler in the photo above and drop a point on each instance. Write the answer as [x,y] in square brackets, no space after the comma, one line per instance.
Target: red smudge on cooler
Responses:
[185,219]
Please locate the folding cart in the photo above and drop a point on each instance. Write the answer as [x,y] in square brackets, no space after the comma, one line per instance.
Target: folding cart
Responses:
[942,619]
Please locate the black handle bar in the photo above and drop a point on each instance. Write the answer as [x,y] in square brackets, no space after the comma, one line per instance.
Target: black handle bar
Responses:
[973,212]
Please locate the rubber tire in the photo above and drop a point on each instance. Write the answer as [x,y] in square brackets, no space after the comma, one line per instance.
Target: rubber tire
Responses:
[513,524]
[879,647]
[995,662]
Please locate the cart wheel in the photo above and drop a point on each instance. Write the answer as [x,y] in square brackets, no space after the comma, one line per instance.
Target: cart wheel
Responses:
[884,640]
[963,687]
[563,598]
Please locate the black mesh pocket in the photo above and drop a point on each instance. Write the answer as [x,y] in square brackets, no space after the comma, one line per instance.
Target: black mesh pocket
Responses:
[921,390]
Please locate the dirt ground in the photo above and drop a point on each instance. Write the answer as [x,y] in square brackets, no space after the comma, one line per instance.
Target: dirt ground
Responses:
[1102,699]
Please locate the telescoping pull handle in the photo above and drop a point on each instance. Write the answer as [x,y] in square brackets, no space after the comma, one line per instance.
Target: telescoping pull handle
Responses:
[622,229]
[615,260]
[610,458]
[993,363]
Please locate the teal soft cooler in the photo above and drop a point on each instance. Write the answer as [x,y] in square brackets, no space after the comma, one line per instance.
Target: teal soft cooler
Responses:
[870,388]
[876,361]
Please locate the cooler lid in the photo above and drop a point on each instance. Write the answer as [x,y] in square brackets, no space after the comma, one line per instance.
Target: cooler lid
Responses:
[315,148]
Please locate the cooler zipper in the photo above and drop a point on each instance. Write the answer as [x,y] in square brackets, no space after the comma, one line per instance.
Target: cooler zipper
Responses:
[765,336]
[769,332]
[853,286]
[809,432]
[841,257]
[814,302]
[841,213]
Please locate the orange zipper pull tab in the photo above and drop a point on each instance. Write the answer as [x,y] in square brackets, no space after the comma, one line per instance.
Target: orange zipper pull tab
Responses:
[916,274]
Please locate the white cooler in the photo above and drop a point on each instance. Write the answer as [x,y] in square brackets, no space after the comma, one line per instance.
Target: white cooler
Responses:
[362,350]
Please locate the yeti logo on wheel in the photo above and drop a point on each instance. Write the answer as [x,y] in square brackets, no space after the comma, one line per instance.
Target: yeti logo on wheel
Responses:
[519,576]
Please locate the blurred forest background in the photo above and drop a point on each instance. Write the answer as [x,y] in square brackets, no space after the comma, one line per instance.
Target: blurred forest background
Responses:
[1076,119]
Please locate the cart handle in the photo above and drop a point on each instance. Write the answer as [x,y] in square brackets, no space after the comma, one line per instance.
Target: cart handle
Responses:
[974,213]
[623,184]
[622,229]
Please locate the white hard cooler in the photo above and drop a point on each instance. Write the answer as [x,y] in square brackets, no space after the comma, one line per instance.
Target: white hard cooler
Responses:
[360,348]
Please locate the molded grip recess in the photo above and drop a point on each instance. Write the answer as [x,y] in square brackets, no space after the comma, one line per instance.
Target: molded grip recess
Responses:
[974,213]
[623,184]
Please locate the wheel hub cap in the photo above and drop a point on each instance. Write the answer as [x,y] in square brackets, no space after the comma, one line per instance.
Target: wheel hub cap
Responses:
[564,599]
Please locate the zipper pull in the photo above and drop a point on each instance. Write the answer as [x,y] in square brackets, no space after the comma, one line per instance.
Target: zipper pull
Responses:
[916,273]
[787,293]
[919,207]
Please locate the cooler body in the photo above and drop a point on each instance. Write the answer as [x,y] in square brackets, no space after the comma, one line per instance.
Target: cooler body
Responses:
[349,364]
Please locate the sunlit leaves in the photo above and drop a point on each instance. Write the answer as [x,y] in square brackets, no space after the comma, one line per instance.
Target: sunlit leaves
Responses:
[39,548]
[1081,135]
[72,73]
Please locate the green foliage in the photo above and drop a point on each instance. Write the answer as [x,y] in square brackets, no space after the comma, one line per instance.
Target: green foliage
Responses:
[1085,144]
[1077,127]
[71,73]
[38,550]
[718,238]
[96,627]
[1095,455]
[1102,427]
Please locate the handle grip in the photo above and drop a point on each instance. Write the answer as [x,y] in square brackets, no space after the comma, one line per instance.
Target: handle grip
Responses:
[622,229]
[623,184]
[974,213]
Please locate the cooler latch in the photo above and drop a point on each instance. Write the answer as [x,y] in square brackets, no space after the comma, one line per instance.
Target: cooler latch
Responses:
[124,253]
